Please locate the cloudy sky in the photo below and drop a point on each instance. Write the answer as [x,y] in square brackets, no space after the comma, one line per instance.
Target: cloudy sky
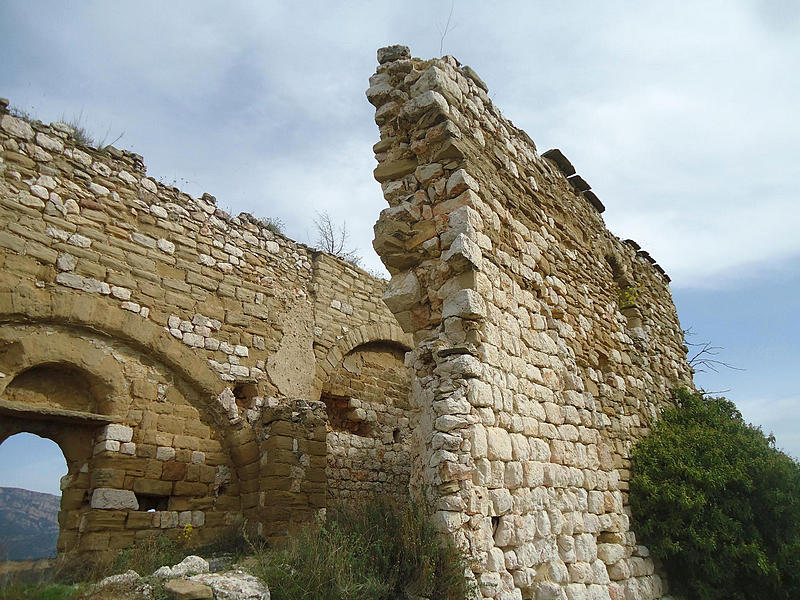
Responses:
[684,118]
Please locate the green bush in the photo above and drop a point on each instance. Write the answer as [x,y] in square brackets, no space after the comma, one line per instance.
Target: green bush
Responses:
[374,551]
[717,502]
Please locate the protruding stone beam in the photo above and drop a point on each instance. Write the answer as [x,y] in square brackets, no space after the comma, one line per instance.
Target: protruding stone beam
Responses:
[559,160]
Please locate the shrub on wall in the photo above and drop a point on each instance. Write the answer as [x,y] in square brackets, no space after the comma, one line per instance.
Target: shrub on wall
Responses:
[718,504]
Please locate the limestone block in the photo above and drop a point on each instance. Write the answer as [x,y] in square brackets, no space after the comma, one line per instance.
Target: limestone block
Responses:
[393,53]
[426,173]
[610,553]
[577,591]
[16,127]
[183,589]
[228,402]
[498,444]
[547,590]
[467,304]
[403,292]
[165,453]
[111,499]
[433,78]
[418,105]
[234,585]
[463,253]
[191,565]
[120,433]
[98,190]
[107,446]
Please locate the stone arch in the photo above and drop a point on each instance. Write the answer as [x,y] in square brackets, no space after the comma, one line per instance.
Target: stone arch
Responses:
[67,328]
[65,307]
[73,431]
[365,392]
[365,334]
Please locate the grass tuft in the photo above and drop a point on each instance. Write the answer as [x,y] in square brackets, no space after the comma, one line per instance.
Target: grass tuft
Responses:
[373,551]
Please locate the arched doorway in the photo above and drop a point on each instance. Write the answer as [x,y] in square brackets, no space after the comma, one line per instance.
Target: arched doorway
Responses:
[31,470]
[57,402]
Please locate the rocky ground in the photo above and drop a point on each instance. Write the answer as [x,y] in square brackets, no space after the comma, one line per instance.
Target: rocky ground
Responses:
[194,578]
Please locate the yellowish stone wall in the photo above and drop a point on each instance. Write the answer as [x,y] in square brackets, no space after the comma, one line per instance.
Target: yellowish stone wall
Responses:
[195,344]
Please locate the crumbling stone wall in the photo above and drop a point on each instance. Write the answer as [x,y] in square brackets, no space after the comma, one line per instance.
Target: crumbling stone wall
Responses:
[544,346]
[197,345]
[368,445]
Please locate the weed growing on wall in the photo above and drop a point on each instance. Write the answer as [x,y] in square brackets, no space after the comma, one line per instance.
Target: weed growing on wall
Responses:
[717,502]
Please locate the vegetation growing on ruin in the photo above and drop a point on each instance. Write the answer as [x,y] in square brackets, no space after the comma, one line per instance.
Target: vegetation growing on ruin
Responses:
[717,502]
[373,551]
[376,550]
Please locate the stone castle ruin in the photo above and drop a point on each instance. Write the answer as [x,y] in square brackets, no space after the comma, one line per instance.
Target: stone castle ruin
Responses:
[198,368]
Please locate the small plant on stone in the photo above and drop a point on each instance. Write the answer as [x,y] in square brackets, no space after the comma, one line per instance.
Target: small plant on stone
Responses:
[627,296]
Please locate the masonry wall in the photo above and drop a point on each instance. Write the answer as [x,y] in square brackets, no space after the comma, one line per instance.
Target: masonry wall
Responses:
[544,346]
[368,444]
[219,333]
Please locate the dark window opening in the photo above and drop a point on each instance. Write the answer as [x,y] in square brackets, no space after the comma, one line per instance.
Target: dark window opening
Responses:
[152,502]
[244,394]
[495,523]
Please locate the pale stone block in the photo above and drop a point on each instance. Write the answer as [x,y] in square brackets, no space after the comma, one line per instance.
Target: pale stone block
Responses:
[112,499]
[98,190]
[498,444]
[403,292]
[165,246]
[165,453]
[107,446]
[193,340]
[479,441]
[459,181]
[66,262]
[610,553]
[120,293]
[79,240]
[466,304]
[128,448]
[169,519]
[40,192]
[16,127]
[120,433]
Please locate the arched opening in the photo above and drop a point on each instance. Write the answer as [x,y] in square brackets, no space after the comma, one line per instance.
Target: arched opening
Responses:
[47,418]
[55,384]
[31,472]
[368,423]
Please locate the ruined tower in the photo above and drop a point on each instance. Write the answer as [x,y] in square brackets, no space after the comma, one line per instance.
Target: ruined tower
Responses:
[544,346]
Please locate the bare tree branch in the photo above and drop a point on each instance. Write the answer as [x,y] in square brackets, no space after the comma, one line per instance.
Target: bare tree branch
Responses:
[334,239]
[702,360]
[447,28]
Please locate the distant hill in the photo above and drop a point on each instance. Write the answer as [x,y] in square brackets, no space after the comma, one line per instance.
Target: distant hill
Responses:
[28,524]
